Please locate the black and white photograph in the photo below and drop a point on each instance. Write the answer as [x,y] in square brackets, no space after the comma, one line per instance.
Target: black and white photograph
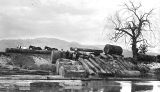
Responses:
[79,45]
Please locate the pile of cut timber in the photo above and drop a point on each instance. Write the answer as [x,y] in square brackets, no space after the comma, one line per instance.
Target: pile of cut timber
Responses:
[102,65]
[110,63]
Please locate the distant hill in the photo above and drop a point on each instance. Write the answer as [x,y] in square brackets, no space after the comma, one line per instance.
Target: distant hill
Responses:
[51,42]
[41,42]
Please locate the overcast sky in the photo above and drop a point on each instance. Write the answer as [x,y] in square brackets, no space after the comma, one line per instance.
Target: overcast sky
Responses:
[71,20]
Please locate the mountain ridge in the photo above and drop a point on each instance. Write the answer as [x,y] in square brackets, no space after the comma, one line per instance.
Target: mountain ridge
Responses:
[51,42]
[41,42]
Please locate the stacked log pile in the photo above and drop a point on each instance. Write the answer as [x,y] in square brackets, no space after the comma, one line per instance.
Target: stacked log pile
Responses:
[107,62]
[111,66]
[110,63]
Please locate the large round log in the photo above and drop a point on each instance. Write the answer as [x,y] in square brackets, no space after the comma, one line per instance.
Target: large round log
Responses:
[85,50]
[55,54]
[126,73]
[113,49]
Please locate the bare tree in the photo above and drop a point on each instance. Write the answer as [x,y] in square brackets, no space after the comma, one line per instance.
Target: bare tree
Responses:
[130,22]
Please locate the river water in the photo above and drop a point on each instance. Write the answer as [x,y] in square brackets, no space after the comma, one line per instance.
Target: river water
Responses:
[78,86]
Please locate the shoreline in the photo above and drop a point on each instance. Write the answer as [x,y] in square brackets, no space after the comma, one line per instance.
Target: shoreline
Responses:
[57,77]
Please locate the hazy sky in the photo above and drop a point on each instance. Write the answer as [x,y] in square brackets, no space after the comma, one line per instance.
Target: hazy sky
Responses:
[72,20]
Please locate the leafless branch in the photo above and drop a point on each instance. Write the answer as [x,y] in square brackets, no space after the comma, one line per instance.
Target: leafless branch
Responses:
[129,23]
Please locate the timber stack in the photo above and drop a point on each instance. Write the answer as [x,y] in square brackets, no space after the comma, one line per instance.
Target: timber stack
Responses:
[83,62]
[107,63]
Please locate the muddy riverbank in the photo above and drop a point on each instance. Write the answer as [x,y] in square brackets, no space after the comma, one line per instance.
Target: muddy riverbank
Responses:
[17,63]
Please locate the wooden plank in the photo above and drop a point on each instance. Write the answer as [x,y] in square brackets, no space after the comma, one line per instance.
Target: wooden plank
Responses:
[86,66]
[103,65]
[91,66]
[121,67]
[96,65]
[123,64]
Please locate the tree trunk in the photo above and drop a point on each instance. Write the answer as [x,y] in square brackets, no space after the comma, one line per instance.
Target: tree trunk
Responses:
[134,50]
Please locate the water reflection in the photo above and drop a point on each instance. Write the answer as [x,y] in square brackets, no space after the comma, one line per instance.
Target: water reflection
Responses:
[125,85]
[87,86]
[156,86]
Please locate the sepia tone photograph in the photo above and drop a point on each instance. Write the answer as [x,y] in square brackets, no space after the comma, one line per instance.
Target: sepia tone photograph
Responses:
[79,45]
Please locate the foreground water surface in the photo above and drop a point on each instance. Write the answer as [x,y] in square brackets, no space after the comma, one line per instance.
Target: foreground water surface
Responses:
[78,86]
